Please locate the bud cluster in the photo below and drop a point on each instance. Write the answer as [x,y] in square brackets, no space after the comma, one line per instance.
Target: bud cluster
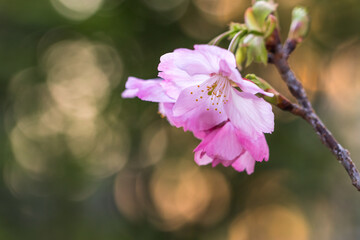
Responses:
[248,40]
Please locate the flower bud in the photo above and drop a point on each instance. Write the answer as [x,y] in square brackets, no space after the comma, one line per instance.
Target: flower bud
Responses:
[240,55]
[254,1]
[255,17]
[256,50]
[251,21]
[300,24]
[271,25]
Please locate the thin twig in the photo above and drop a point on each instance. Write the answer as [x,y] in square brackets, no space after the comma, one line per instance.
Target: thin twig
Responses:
[286,105]
[279,55]
[289,47]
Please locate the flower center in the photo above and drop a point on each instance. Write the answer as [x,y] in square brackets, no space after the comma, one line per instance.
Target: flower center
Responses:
[216,89]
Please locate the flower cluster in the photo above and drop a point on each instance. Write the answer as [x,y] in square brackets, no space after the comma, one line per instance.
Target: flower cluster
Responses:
[202,91]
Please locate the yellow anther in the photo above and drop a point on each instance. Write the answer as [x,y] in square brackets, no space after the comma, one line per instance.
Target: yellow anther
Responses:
[211,89]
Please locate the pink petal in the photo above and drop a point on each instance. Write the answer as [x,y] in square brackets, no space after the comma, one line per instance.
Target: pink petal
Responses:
[197,121]
[133,82]
[250,87]
[215,162]
[223,60]
[189,99]
[196,110]
[171,89]
[199,97]
[201,158]
[185,60]
[225,163]
[225,70]
[244,162]
[256,145]
[162,109]
[249,113]
[246,85]
[214,54]
[194,121]
[222,143]
[184,67]
[129,93]
[147,90]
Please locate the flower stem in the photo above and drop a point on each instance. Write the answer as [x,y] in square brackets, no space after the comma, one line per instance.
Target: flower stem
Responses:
[234,42]
[219,38]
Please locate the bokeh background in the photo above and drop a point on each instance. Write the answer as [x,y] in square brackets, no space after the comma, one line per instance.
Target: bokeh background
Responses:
[79,162]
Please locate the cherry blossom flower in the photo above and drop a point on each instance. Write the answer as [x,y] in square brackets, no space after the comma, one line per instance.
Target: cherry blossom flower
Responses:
[202,91]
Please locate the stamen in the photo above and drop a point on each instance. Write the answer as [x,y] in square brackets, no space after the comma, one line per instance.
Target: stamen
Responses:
[216,91]
[212,88]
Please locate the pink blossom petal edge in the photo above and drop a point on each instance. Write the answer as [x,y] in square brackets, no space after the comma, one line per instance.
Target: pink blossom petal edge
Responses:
[147,90]
[244,162]
[250,87]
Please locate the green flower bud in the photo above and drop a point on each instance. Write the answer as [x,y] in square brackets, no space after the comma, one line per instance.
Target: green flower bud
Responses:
[300,24]
[262,10]
[256,49]
[251,21]
[240,55]
[271,25]
[254,1]
[256,16]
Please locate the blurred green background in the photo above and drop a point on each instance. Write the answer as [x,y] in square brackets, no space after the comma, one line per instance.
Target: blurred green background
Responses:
[79,162]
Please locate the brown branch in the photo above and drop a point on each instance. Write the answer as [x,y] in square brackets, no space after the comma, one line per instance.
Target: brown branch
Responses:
[279,56]
[286,105]
[289,47]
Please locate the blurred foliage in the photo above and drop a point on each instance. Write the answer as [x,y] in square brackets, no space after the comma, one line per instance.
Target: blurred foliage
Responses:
[79,162]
